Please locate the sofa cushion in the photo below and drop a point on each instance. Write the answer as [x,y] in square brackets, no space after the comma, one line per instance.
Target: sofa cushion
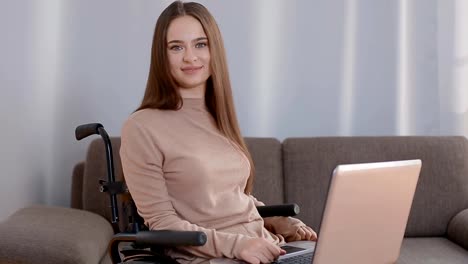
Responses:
[435,250]
[44,234]
[442,188]
[457,230]
[268,183]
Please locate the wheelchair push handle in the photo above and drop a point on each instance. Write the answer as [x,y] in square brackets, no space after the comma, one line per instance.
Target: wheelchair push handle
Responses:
[87,130]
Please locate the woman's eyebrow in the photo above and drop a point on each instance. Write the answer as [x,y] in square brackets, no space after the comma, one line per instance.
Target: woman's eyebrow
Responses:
[198,39]
[180,41]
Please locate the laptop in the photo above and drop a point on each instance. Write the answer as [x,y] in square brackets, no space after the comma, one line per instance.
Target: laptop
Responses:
[365,215]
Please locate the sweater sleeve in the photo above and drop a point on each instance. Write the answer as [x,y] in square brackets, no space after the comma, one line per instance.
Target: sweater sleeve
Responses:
[142,163]
[256,202]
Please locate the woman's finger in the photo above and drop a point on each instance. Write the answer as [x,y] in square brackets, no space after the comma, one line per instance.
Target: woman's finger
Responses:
[314,234]
[274,250]
[301,233]
[252,260]
[297,237]
[271,251]
[307,233]
[262,256]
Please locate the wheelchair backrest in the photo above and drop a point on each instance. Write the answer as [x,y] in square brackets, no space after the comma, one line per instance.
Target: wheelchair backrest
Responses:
[266,154]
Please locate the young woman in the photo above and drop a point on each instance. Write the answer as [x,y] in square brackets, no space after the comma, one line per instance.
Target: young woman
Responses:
[184,159]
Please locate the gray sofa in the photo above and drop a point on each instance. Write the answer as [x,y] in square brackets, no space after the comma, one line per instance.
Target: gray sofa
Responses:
[296,170]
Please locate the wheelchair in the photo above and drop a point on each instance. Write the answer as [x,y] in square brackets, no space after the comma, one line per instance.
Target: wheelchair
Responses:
[143,245]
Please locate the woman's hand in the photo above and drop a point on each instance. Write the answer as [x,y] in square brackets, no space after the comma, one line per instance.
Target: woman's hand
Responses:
[259,250]
[292,229]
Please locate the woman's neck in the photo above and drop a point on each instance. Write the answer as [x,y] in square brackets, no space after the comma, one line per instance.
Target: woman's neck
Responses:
[195,92]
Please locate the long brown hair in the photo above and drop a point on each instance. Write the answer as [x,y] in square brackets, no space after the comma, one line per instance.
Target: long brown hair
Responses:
[161,88]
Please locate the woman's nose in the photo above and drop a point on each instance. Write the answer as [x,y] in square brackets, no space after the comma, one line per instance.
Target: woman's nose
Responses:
[189,55]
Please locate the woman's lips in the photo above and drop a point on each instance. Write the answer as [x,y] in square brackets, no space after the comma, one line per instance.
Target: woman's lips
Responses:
[191,69]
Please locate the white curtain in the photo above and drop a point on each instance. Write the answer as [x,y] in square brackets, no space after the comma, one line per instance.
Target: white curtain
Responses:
[359,67]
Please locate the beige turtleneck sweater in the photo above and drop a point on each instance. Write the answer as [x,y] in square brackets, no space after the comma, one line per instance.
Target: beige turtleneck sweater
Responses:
[183,174]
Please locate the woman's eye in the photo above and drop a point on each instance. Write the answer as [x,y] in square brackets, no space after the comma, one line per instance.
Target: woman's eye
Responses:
[176,48]
[201,45]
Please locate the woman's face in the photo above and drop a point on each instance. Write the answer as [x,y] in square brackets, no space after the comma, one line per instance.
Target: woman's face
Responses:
[188,52]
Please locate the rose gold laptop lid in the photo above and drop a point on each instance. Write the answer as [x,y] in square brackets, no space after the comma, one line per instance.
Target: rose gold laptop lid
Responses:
[366,212]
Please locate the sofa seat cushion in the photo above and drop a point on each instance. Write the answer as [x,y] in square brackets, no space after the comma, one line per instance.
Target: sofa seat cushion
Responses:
[44,234]
[431,250]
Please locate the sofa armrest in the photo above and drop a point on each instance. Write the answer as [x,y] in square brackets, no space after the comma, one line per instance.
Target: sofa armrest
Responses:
[458,229]
[44,234]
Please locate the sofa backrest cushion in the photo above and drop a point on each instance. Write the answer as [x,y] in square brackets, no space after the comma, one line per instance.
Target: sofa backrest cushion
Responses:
[268,182]
[442,189]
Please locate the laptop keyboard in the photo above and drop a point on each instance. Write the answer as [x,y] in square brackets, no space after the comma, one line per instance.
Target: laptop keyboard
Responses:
[300,259]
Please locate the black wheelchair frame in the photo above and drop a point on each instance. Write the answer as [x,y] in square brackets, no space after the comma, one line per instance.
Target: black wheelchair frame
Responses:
[138,234]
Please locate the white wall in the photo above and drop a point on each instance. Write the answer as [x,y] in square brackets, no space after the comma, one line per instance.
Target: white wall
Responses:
[298,68]
[25,108]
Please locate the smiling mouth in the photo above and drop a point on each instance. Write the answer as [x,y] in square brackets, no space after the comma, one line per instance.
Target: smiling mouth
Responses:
[190,70]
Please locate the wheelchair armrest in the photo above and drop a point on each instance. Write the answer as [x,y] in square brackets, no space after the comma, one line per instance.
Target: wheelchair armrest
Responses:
[156,238]
[186,238]
[278,210]
[170,238]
